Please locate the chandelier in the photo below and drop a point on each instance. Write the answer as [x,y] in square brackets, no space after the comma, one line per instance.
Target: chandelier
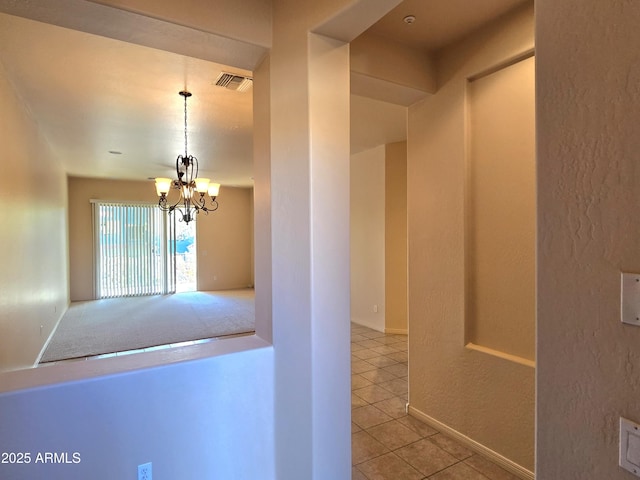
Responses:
[192,189]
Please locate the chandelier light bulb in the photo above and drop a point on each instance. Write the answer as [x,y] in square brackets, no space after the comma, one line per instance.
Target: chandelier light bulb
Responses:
[163,185]
[202,184]
[214,189]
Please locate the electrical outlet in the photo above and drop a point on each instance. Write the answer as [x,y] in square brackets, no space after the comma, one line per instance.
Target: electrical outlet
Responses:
[144,471]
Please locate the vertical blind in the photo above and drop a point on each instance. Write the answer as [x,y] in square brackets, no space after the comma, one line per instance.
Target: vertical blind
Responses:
[133,250]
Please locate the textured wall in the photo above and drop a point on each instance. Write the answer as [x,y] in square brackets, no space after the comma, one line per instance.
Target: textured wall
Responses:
[588,81]
[501,220]
[486,398]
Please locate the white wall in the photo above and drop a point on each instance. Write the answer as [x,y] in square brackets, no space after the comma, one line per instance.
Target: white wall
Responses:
[251,411]
[191,420]
[588,107]
[276,412]
[368,238]
[34,278]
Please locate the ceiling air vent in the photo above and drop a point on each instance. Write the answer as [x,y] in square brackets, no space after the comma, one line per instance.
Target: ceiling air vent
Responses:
[234,82]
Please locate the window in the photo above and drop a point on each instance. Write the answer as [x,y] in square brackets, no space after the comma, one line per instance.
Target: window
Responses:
[133,251]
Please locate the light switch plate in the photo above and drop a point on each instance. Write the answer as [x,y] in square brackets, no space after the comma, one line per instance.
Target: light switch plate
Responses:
[630,299]
[630,446]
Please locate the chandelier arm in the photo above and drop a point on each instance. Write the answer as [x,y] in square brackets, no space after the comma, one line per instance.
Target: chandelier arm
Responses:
[165,205]
[214,207]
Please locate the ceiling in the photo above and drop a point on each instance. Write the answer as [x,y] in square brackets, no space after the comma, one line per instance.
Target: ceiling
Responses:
[92,95]
[439,22]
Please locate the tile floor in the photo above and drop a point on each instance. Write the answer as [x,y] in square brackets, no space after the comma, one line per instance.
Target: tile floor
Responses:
[387,444]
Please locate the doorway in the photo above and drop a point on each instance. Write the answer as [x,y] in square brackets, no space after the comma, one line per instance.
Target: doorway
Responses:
[185,256]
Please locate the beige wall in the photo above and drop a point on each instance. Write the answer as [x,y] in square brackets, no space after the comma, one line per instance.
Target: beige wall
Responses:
[224,242]
[379,238]
[389,71]
[501,211]
[588,229]
[223,237]
[483,397]
[33,282]
[395,250]
[367,199]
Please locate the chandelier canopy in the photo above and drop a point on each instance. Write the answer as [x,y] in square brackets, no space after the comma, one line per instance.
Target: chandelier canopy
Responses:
[192,189]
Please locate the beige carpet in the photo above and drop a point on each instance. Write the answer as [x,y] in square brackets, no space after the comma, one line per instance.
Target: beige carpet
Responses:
[120,324]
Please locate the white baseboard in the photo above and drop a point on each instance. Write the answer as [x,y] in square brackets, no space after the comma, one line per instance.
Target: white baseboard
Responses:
[396,331]
[364,322]
[51,334]
[495,457]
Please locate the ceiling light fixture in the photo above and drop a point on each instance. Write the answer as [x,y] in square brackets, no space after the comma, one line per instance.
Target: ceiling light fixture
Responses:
[191,187]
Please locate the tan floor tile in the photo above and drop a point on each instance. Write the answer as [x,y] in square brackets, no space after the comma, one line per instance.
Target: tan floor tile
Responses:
[403,347]
[378,375]
[459,471]
[451,446]
[399,370]
[374,334]
[359,332]
[393,435]
[361,366]
[385,349]
[426,457]
[358,381]
[389,467]
[400,357]
[357,474]
[365,353]
[397,386]
[356,401]
[488,468]
[364,447]
[373,393]
[368,416]
[417,426]
[393,339]
[395,407]
[369,343]
[381,361]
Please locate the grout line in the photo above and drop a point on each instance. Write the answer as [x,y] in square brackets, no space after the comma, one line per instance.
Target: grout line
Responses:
[378,383]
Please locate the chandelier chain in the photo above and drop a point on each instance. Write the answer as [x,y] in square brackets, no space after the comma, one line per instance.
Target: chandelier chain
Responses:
[185,126]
